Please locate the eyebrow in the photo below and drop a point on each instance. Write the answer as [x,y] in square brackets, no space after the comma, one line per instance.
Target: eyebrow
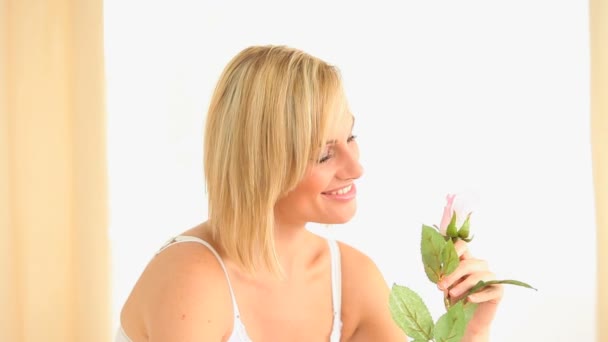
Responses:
[333,142]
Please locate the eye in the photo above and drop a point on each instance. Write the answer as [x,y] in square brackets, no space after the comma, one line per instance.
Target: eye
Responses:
[329,154]
[325,158]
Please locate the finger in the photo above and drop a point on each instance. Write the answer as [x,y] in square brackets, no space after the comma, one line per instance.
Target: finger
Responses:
[465,268]
[470,281]
[445,291]
[462,249]
[492,294]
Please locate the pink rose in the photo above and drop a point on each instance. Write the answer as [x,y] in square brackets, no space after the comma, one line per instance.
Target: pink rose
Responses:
[461,205]
[447,213]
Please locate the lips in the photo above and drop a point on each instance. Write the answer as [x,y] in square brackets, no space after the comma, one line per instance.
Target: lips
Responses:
[339,191]
[345,193]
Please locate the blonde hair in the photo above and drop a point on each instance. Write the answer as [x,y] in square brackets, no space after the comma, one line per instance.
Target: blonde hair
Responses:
[268,121]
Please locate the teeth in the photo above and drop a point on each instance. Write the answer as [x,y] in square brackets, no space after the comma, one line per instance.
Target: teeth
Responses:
[341,191]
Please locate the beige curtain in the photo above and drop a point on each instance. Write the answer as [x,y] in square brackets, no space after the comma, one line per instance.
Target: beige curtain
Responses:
[599,136]
[54,259]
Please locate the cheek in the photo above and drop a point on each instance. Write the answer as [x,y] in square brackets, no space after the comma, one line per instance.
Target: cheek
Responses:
[309,190]
[316,182]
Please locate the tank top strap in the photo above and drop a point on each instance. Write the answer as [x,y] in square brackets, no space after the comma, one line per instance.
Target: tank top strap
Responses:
[239,328]
[185,238]
[336,289]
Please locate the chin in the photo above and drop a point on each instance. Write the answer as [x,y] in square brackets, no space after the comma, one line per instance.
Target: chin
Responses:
[343,216]
[341,220]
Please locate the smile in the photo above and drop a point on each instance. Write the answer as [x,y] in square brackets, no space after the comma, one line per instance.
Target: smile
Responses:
[346,193]
[340,191]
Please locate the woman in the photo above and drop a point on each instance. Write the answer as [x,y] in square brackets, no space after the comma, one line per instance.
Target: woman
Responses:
[279,152]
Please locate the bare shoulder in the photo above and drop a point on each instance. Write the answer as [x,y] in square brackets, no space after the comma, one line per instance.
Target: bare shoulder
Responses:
[365,295]
[182,295]
[355,262]
[360,275]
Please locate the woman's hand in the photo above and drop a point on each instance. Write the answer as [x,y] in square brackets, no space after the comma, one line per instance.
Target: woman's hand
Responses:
[457,284]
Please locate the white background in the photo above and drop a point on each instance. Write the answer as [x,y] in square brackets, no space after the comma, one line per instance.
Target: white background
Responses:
[484,97]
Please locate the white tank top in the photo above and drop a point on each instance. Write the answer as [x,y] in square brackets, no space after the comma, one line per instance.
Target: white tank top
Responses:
[239,333]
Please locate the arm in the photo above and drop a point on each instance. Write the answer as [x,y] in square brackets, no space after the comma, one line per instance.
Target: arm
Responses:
[186,296]
[371,294]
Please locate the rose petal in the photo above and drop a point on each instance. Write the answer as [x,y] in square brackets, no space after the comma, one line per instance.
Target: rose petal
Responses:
[447,213]
[463,205]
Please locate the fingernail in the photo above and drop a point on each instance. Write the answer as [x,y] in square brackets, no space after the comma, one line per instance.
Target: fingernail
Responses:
[472,298]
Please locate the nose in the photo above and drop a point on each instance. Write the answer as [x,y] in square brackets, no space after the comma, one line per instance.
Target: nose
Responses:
[352,169]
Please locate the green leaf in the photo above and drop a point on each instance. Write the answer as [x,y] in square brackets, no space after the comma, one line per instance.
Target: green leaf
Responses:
[478,287]
[432,273]
[451,326]
[451,230]
[410,313]
[468,239]
[449,258]
[431,246]
[463,233]
[511,282]
[482,284]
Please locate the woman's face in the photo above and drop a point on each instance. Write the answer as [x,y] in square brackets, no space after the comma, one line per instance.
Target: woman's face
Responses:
[327,193]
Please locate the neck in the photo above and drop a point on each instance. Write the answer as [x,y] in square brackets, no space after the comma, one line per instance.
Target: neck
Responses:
[297,248]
